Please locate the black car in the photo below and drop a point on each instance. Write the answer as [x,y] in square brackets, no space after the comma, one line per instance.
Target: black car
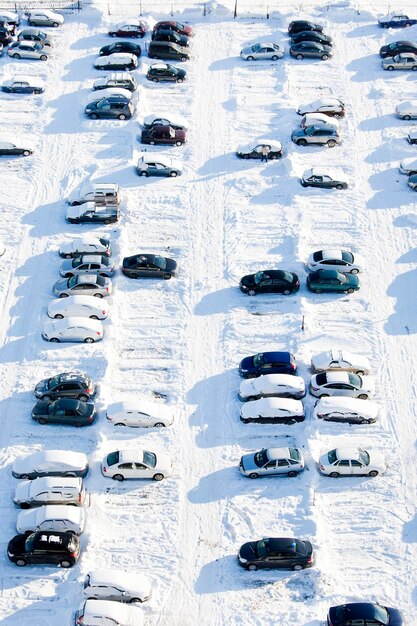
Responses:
[5,36]
[267,363]
[121,46]
[148,266]
[364,613]
[68,384]
[64,411]
[312,35]
[298,26]
[276,553]
[90,213]
[167,34]
[161,121]
[397,47]
[270,281]
[45,547]
[165,72]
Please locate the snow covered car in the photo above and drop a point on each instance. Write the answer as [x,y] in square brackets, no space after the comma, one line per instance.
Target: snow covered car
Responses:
[28,50]
[265,51]
[329,106]
[403,61]
[73,329]
[316,135]
[412,137]
[87,244]
[272,462]
[83,284]
[50,463]
[50,490]
[412,182]
[52,517]
[150,121]
[23,84]
[126,464]
[408,166]
[407,110]
[104,612]
[45,18]
[340,360]
[140,413]
[131,28]
[116,61]
[8,147]
[156,164]
[342,384]
[272,386]
[92,213]
[122,80]
[123,95]
[272,411]
[87,264]
[254,149]
[78,306]
[100,193]
[347,410]
[351,461]
[324,178]
[318,119]
[117,585]
[334,259]
[396,20]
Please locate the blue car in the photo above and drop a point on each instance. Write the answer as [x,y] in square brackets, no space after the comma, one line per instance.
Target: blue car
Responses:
[364,613]
[396,20]
[267,363]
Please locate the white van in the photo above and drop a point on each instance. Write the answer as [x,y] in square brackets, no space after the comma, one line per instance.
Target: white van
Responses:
[105,612]
[345,409]
[50,490]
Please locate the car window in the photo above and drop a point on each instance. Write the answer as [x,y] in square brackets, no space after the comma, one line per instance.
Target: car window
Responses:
[282,463]
[344,463]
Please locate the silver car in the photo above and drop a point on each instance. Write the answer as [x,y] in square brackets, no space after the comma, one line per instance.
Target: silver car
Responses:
[98,286]
[262,51]
[36,35]
[272,462]
[117,585]
[27,50]
[45,18]
[316,135]
[92,264]
[73,330]
[402,61]
[348,384]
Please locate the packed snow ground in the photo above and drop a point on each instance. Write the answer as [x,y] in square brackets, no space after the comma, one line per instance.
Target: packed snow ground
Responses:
[182,340]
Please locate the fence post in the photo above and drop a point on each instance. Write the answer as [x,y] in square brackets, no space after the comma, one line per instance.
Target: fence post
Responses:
[172,10]
[204,10]
[79,7]
[108,8]
[267,12]
[235,11]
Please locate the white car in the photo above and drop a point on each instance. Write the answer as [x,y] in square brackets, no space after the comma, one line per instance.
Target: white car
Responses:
[28,50]
[106,612]
[342,384]
[272,386]
[52,517]
[329,106]
[340,360]
[407,110]
[412,136]
[263,51]
[272,462]
[334,259]
[116,61]
[352,461]
[100,193]
[79,306]
[272,411]
[117,585]
[402,61]
[157,164]
[408,166]
[141,413]
[125,464]
[50,490]
[9,17]
[73,329]
[85,245]
[97,95]
[344,409]
[318,119]
[23,84]
[45,18]
[50,463]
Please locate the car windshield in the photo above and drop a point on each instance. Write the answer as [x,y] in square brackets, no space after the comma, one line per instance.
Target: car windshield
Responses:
[261,458]
[149,458]
[332,458]
[363,456]
[342,278]
[309,130]
[160,262]
[287,277]
[104,242]
[29,543]
[392,46]
[77,262]
[255,48]
[258,359]
[38,46]
[105,261]
[259,277]
[354,379]
[294,454]
[262,547]
[53,382]
[113,458]
[42,35]
[381,614]
[347,256]
[72,281]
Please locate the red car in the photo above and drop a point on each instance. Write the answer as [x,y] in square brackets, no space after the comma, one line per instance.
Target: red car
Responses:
[163,135]
[133,28]
[181,29]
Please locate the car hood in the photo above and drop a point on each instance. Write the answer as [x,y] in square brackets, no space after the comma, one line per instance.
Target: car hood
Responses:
[41,387]
[40,408]
[171,265]
[163,462]
[246,363]
[376,459]
[17,544]
[396,618]
[248,462]
[248,551]
[60,285]
[22,491]
[248,280]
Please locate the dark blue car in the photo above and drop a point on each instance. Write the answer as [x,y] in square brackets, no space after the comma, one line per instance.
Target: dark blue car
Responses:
[396,20]
[267,363]
[364,613]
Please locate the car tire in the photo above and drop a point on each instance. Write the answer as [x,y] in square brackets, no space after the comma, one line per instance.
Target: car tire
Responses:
[173,174]
[16,56]
[251,292]
[154,79]
[143,173]
[373,473]
[58,316]
[119,477]
[158,477]
[385,26]
[339,187]
[350,290]
[324,395]
[299,56]
[63,295]
[167,276]
[159,425]
[24,505]
[26,152]
[406,117]
[286,292]
[183,59]
[390,68]
[354,271]
[20,562]
[290,422]
[414,68]
[178,143]
[297,568]
[301,142]
[274,58]
[407,25]
[43,57]
[180,80]
[334,474]
[37,91]
[113,34]
[122,116]
[253,476]
[250,58]
[93,116]
[98,295]
[331,143]
[317,290]
[292,474]
[252,567]
[42,421]
[93,317]
[55,24]
[31,23]
[363,396]
[88,340]
[360,372]
[54,340]
[46,398]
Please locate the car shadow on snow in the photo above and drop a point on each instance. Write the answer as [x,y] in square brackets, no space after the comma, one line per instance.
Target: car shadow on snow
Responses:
[230,298]
[380,122]
[406,221]
[229,63]
[90,43]
[364,68]
[403,321]
[392,150]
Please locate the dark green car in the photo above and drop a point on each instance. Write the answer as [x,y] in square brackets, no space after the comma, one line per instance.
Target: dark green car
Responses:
[332,280]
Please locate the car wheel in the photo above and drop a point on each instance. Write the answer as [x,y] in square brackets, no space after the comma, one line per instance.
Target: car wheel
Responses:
[301,142]
[143,173]
[63,295]
[20,562]
[158,477]
[65,564]
[159,425]
[118,477]
[44,57]
[120,424]
[324,57]
[250,398]
[414,68]
[244,420]
[360,372]
[334,474]
[286,292]
[94,317]
[407,25]
[173,174]
[180,80]
[16,56]
[98,295]
[122,116]
[37,91]
[274,58]
[54,340]
[251,292]
[24,505]
[373,473]
[354,271]
[299,56]
[297,568]
[42,421]
[154,80]
[250,58]
[339,187]
[178,143]
[93,116]
[88,340]
[384,25]
[58,316]
[26,152]
[290,422]
[31,23]
[167,276]
[24,476]
[331,143]
[350,290]
[46,398]
[253,476]
[292,474]
[363,396]
[317,290]
[183,58]
[252,567]
[337,116]
[406,117]
[390,68]
[55,24]
[324,395]
[132,600]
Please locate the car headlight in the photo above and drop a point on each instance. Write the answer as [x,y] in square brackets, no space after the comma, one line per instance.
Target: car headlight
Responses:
[242,560]
[243,370]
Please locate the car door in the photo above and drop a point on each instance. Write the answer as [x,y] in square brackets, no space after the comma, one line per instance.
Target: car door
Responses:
[20,87]
[343,467]
[264,53]
[357,467]
[161,169]
[39,554]
[277,559]
[283,466]
[57,417]
[265,286]
[141,471]
[326,181]
[126,469]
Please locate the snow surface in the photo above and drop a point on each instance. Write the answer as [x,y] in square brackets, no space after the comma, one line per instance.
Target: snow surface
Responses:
[180,341]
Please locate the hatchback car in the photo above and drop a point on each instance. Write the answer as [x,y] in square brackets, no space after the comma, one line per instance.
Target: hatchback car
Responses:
[67,384]
[149,266]
[73,330]
[340,360]
[131,28]
[254,150]
[346,410]
[141,414]
[364,613]
[324,178]
[44,547]
[50,490]
[316,135]
[297,26]
[182,29]
[64,411]
[272,386]
[125,464]
[23,84]
[310,50]
[168,34]
[396,20]
[272,411]
[112,108]
[407,110]
[163,72]
[408,166]
[154,164]
[109,94]
[332,281]
[10,148]
[334,259]
[28,50]
[165,135]
[116,61]
[36,35]
[352,461]
[45,18]
[341,384]
[402,61]
[121,80]
[312,35]
[267,363]
[87,264]
[85,245]
[117,585]
[275,553]
[329,106]
[78,306]
[272,462]
[397,47]
[92,213]
[50,463]
[106,612]
[270,281]
[264,51]
[84,284]
[52,517]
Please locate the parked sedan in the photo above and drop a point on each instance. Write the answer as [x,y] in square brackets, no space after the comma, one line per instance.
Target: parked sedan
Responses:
[78,306]
[85,245]
[324,178]
[412,137]
[168,34]
[131,28]
[408,166]
[23,84]
[403,61]
[254,150]
[276,553]
[87,264]
[44,547]
[407,110]
[73,329]
[272,386]
[316,135]
[332,281]
[98,286]
[142,414]
[340,360]
[396,20]
[165,135]
[66,384]
[270,281]
[125,464]
[36,35]
[154,164]
[50,490]
[64,411]
[149,266]
[310,50]
[334,259]
[116,61]
[312,35]
[297,26]
[339,383]
[121,80]
[108,612]
[364,613]
[10,148]
[272,462]
[117,585]
[28,50]
[150,121]
[263,52]
[329,106]
[121,46]
[182,29]
[52,517]
[346,410]
[45,18]
[92,213]
[352,461]
[267,363]
[272,411]
[397,47]
[318,119]
[50,463]
[163,72]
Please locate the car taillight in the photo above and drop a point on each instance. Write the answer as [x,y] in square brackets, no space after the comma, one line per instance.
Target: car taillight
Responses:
[90,419]
[73,554]
[107,288]
[293,366]
[103,312]
[322,467]
[88,390]
[80,620]
[80,497]
[104,469]
[98,333]
[310,560]
[297,284]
